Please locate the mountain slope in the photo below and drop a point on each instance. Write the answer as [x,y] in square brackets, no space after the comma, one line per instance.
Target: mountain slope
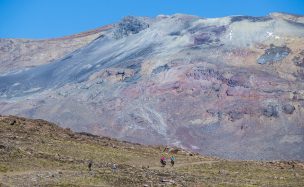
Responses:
[38,153]
[18,54]
[229,87]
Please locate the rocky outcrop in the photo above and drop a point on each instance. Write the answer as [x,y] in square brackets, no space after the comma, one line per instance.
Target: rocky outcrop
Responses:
[288,108]
[270,111]
[274,54]
[129,25]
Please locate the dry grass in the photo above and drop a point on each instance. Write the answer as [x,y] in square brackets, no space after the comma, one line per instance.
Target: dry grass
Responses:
[39,153]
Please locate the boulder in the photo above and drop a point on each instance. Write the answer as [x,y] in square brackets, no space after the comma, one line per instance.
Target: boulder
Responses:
[270,111]
[288,108]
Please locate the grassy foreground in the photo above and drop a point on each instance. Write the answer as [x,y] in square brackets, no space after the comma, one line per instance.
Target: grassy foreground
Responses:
[38,153]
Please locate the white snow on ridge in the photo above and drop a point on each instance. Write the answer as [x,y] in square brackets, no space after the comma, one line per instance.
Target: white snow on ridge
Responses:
[230,35]
[32,90]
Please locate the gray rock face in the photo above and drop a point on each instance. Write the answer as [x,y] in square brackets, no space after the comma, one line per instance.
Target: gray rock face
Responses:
[274,54]
[235,115]
[288,109]
[250,18]
[270,111]
[298,60]
[129,25]
[178,80]
[160,69]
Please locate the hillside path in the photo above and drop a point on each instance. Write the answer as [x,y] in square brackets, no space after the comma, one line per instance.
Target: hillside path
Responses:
[177,165]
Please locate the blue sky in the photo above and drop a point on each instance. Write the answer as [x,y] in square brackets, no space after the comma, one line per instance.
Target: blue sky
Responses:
[55,18]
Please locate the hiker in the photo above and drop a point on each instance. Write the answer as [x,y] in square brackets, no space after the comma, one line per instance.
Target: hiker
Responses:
[90,165]
[114,168]
[172,160]
[163,161]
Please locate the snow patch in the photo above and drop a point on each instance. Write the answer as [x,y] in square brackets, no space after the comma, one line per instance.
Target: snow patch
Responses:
[16,84]
[194,147]
[230,35]
[32,90]
[271,35]
[88,66]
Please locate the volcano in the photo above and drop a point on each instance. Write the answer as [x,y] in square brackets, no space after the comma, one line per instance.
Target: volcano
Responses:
[230,87]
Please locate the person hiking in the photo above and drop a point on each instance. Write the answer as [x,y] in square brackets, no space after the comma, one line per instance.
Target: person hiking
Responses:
[90,165]
[163,161]
[114,168]
[172,160]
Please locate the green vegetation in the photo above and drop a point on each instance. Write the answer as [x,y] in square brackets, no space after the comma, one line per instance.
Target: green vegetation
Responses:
[3,169]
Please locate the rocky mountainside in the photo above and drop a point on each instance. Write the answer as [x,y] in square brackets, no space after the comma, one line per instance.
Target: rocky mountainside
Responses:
[20,54]
[229,87]
[38,153]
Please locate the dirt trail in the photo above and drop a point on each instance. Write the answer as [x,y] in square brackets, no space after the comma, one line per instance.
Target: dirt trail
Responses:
[29,172]
[186,164]
[14,173]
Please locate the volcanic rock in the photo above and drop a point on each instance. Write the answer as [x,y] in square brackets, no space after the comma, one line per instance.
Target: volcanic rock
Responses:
[216,86]
[288,108]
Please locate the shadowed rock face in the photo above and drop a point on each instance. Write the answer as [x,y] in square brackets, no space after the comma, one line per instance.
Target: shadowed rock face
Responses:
[230,87]
[274,54]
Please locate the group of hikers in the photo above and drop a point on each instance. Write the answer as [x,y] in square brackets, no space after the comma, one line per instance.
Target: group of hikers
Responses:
[164,162]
